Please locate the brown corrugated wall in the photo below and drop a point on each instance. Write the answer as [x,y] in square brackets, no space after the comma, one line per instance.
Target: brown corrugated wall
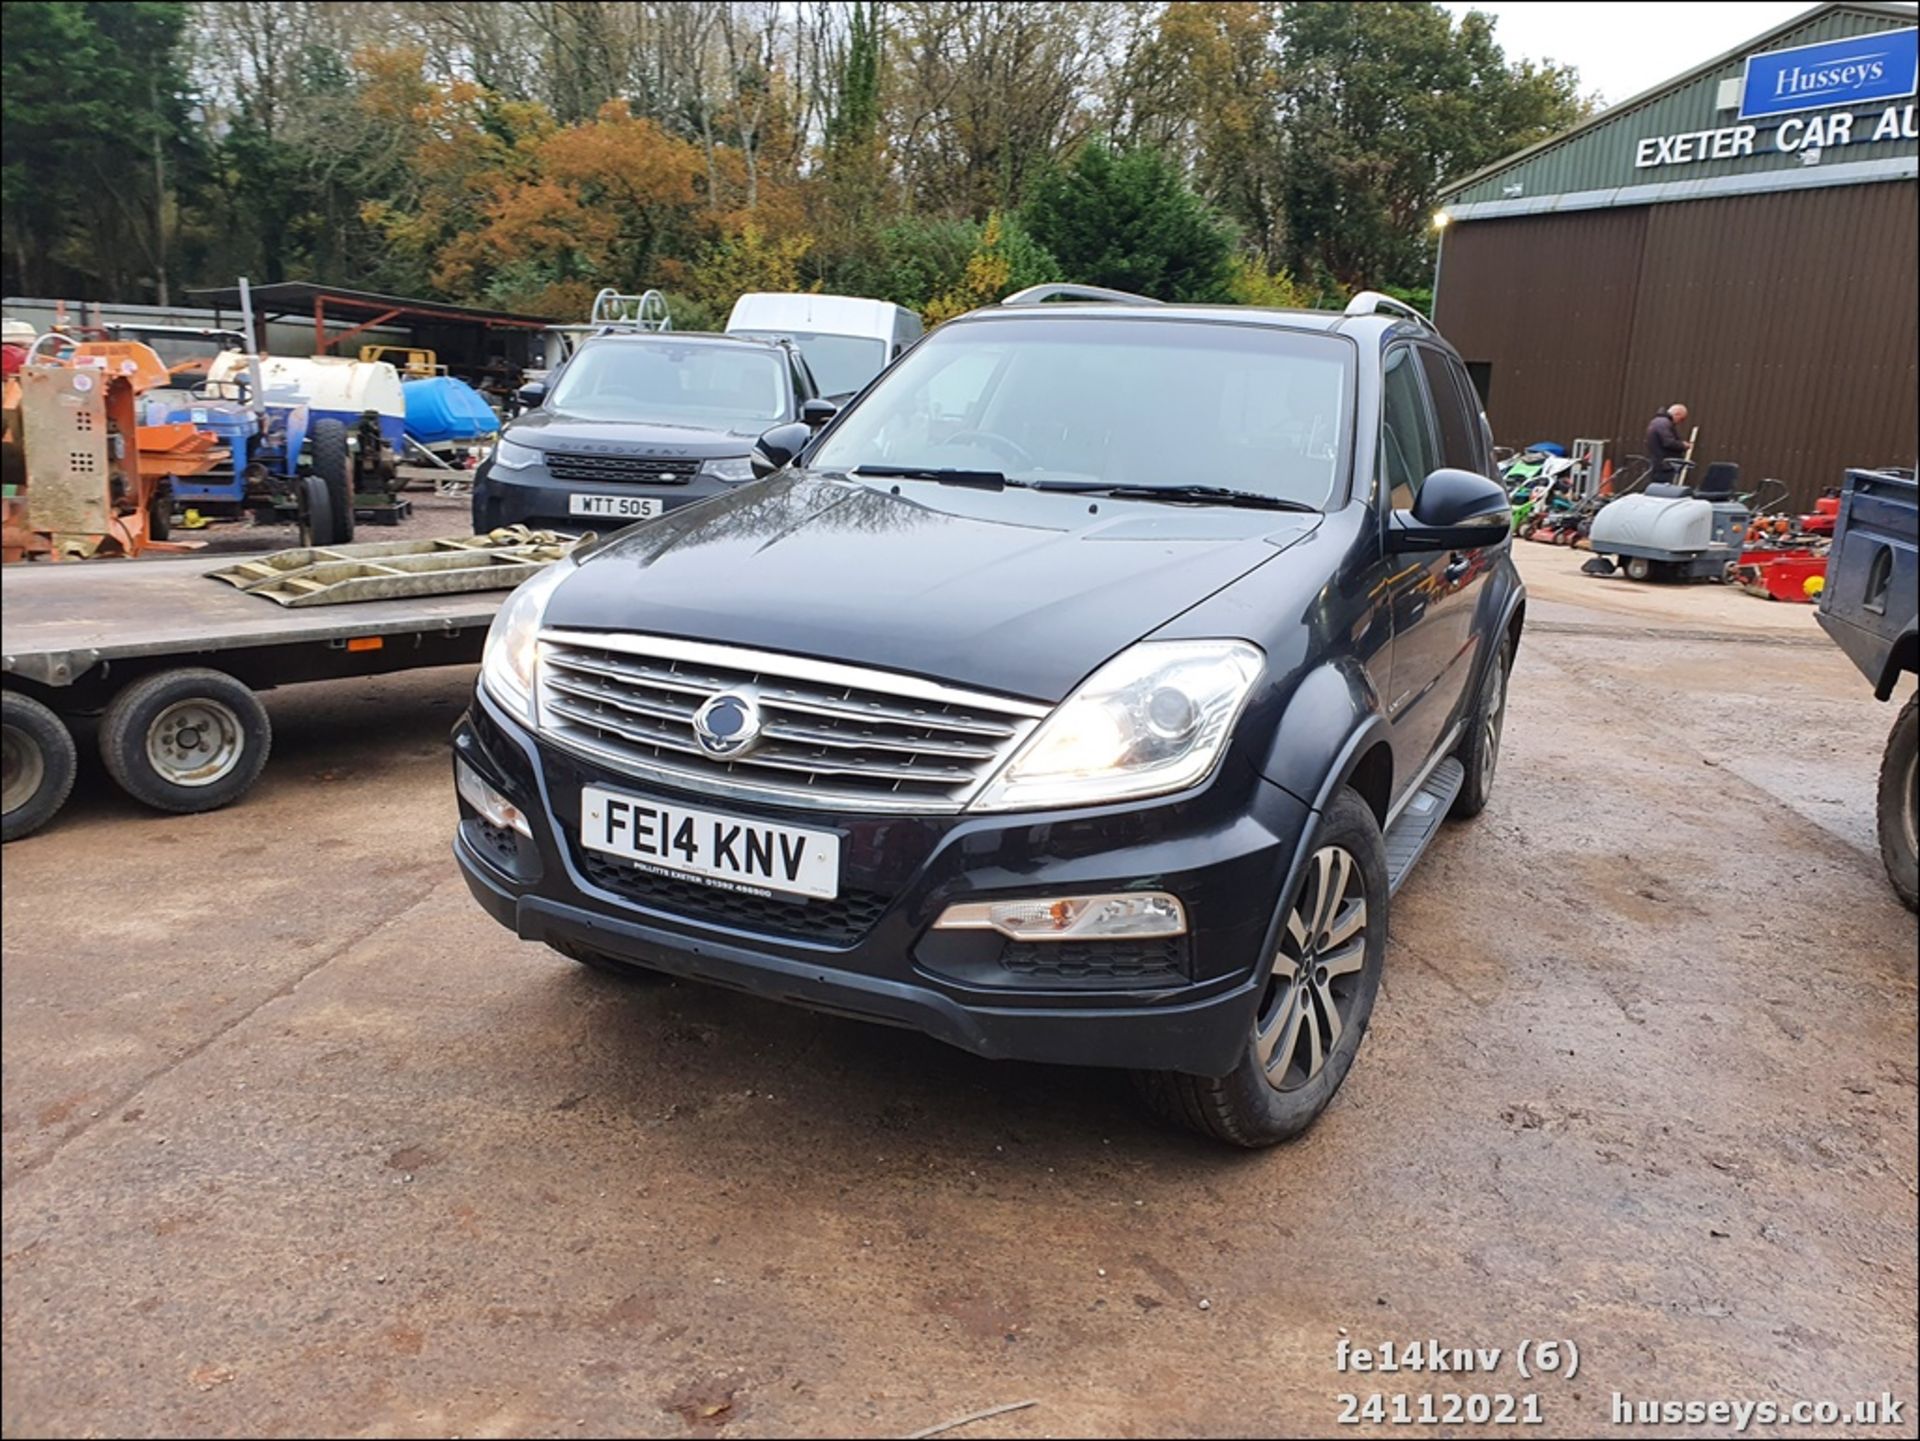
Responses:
[1789,323]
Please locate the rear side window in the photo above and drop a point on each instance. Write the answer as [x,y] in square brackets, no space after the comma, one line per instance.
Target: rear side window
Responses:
[1459,423]
[1408,451]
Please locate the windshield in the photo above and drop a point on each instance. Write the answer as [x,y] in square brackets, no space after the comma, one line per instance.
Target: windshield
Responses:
[1130,402]
[841,364]
[710,386]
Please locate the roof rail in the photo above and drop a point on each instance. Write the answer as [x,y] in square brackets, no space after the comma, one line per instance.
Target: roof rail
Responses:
[646,311]
[1038,294]
[1372,302]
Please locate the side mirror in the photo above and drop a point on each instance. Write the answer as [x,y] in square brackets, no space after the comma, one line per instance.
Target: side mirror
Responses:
[532,393]
[777,448]
[1455,510]
[817,412]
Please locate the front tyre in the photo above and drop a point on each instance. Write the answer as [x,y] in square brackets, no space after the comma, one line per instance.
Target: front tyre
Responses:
[1899,803]
[1480,750]
[1321,984]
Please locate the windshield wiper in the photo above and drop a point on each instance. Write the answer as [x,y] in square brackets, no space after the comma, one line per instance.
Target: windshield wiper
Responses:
[1222,494]
[978,479]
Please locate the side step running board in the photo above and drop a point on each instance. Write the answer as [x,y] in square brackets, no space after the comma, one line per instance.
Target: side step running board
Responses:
[1415,827]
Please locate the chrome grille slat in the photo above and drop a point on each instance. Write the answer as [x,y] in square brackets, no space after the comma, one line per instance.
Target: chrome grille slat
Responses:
[624,669]
[833,736]
[626,729]
[912,745]
[777,701]
[627,701]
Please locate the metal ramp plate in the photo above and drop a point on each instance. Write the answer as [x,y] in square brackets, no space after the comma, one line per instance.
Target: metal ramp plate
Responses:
[1415,827]
[394,569]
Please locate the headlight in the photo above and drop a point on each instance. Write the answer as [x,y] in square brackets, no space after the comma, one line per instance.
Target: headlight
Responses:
[509,456]
[508,665]
[1153,719]
[732,468]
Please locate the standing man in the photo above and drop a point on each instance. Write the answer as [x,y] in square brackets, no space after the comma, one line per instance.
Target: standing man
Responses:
[1664,445]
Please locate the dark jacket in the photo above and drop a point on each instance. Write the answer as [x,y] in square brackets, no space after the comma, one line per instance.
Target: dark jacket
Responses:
[1663,440]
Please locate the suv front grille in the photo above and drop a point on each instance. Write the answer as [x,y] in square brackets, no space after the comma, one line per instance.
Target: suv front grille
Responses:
[840,922]
[652,470]
[832,737]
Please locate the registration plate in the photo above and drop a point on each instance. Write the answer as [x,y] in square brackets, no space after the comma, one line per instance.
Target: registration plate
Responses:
[725,851]
[619,507]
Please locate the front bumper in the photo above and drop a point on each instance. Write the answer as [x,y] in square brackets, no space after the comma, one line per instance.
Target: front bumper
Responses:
[534,498]
[1224,849]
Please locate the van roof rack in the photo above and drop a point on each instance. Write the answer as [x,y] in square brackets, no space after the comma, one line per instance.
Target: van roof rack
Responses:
[1039,294]
[645,311]
[1372,302]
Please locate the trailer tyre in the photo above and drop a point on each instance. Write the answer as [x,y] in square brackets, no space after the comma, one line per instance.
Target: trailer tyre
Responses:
[333,464]
[315,512]
[1899,804]
[37,763]
[185,740]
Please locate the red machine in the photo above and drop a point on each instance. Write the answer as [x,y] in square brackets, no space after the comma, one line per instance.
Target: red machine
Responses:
[1786,558]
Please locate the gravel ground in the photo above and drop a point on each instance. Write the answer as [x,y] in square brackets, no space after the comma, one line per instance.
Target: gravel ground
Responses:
[295,1139]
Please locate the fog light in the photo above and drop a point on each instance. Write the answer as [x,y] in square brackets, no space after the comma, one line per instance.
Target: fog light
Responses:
[1134,915]
[495,809]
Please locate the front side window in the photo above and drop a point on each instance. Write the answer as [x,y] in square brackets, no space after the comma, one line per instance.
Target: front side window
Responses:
[708,386]
[1408,453]
[1459,423]
[1123,401]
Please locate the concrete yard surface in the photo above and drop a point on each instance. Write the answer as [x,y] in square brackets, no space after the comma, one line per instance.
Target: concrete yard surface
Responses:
[296,1140]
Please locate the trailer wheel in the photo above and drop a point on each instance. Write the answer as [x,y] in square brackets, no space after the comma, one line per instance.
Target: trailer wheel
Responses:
[1639,567]
[1900,805]
[185,740]
[333,463]
[37,764]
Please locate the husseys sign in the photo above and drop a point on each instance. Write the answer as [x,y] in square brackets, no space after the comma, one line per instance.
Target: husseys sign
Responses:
[1778,89]
[1857,71]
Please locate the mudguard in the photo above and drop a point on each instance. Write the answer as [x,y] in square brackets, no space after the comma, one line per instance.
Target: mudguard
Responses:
[1332,719]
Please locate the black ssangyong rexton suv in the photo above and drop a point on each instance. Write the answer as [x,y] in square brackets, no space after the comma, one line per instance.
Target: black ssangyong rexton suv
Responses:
[1082,693]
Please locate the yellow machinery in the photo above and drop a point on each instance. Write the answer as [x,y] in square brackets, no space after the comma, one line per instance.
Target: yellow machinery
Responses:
[407,359]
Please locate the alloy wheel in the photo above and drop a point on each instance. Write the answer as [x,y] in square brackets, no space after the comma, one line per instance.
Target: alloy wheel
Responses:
[1496,719]
[1316,972]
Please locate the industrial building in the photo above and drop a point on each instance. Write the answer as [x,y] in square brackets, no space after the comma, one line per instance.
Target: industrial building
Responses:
[1741,238]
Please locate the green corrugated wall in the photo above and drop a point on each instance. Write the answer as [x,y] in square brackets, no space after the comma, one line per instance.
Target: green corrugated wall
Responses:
[1601,157]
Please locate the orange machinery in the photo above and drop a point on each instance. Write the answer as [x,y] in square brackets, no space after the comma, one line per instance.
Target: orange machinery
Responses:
[85,478]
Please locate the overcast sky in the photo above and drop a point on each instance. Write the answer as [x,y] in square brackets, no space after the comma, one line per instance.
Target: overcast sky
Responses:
[1622,49]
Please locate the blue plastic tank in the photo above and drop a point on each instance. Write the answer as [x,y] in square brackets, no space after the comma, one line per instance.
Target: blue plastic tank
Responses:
[441,408]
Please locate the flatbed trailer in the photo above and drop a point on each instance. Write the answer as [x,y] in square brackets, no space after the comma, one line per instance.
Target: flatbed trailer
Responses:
[171,660]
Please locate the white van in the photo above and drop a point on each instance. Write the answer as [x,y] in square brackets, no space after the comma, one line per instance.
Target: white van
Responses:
[846,340]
